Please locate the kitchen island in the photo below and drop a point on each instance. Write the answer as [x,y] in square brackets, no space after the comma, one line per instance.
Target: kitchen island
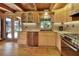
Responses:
[37,38]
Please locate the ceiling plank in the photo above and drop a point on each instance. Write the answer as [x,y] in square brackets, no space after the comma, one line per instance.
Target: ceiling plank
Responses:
[43,6]
[32,6]
[29,6]
[26,6]
[6,8]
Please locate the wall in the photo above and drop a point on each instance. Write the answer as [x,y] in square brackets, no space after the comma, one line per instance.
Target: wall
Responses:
[63,15]
[75,7]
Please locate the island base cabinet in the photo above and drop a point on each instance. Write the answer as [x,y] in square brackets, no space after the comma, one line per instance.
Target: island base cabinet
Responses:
[32,39]
[47,38]
[22,38]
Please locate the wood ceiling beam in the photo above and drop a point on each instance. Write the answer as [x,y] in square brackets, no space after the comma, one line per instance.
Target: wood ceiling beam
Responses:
[55,6]
[59,5]
[19,6]
[1,8]
[51,6]
[3,11]
[6,8]
[35,7]
[32,6]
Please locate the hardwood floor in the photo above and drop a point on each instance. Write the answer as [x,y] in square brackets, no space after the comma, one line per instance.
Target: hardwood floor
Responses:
[12,49]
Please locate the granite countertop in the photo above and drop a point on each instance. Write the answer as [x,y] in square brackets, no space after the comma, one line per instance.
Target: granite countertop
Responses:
[38,30]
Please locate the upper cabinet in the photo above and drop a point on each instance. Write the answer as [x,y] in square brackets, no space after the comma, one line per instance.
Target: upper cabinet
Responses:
[36,17]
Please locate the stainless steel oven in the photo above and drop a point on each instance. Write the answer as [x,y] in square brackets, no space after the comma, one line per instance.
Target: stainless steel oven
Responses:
[67,49]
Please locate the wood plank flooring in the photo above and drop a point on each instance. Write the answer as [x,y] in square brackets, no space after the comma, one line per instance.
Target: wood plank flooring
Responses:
[13,49]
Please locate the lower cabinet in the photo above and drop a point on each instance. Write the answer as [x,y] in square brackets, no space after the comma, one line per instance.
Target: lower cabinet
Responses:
[32,39]
[47,38]
[22,38]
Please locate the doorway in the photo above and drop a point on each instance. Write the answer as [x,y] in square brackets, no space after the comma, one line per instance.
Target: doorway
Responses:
[12,29]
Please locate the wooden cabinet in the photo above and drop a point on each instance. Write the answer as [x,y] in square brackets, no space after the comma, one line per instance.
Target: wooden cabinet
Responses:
[32,38]
[40,38]
[22,38]
[58,42]
[35,16]
[47,38]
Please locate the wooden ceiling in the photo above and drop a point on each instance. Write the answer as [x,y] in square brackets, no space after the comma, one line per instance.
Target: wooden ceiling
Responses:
[23,7]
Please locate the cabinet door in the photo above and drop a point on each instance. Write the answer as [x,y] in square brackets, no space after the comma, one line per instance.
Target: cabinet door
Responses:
[35,17]
[35,38]
[47,39]
[43,41]
[22,38]
[29,39]
[32,38]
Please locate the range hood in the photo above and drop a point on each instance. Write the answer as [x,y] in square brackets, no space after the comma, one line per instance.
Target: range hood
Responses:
[74,14]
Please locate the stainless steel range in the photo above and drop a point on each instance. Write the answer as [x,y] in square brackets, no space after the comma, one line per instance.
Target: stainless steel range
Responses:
[70,44]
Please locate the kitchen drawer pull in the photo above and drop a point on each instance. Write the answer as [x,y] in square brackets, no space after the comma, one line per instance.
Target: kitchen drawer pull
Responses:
[70,46]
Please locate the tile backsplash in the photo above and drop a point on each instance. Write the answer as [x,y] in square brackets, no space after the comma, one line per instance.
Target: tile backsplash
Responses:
[69,26]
